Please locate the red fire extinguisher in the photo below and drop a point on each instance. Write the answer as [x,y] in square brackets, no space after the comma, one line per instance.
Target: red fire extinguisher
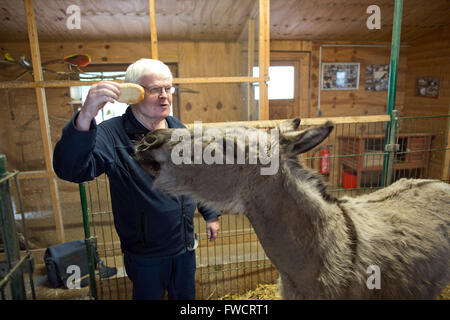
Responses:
[325,160]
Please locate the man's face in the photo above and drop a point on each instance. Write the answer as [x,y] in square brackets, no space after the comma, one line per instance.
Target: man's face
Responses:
[156,105]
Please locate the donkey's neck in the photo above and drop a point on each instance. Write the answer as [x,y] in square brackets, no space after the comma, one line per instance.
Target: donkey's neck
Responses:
[297,227]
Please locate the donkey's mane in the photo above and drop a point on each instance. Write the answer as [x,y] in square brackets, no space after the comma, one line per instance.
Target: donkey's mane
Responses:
[312,177]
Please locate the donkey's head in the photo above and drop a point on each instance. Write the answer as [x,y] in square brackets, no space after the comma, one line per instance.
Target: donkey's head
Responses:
[218,163]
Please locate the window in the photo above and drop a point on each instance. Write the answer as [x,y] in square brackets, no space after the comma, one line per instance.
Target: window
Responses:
[281,83]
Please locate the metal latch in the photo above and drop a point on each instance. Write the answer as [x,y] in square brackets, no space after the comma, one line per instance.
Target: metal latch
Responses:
[392,147]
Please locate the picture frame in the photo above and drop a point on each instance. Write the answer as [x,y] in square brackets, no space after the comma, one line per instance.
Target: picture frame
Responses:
[428,87]
[340,76]
[377,77]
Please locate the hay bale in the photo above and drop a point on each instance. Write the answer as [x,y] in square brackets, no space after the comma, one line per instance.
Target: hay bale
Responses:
[262,292]
[445,294]
[271,292]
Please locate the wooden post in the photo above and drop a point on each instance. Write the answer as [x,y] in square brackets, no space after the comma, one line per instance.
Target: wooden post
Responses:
[251,57]
[43,118]
[153,34]
[264,58]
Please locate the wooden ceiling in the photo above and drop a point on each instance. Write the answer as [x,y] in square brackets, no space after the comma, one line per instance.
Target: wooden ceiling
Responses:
[220,20]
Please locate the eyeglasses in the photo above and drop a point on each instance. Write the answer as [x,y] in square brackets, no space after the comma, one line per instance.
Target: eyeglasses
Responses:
[159,90]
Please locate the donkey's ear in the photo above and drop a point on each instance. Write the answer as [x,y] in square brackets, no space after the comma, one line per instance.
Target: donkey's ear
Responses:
[308,139]
[289,125]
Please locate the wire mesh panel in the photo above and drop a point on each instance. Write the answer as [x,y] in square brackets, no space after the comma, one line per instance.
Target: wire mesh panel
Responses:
[234,263]
[101,224]
[350,160]
[424,146]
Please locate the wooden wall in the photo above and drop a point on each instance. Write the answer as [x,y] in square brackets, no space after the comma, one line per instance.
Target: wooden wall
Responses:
[429,56]
[355,102]
[347,102]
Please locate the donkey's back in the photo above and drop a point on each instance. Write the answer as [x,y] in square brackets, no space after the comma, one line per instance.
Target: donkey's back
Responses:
[404,229]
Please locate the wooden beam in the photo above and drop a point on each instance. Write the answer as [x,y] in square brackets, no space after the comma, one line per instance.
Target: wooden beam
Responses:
[75,83]
[215,80]
[251,59]
[38,174]
[264,58]
[153,33]
[43,117]
[304,122]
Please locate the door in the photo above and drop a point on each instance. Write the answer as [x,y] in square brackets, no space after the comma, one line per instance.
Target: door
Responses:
[289,85]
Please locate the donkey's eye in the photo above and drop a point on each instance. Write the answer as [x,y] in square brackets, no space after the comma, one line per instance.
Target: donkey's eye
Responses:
[150,139]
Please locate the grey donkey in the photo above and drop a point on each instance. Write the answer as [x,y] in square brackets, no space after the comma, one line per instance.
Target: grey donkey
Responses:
[390,244]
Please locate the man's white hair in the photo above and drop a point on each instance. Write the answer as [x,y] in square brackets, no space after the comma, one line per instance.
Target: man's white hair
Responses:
[145,67]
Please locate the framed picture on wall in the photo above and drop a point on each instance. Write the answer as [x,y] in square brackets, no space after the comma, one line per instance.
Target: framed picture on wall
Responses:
[377,77]
[428,87]
[340,76]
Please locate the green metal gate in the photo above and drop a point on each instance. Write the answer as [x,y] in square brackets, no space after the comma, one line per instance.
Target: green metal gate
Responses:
[16,266]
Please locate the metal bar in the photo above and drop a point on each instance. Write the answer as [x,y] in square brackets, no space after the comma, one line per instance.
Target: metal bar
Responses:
[319,112]
[388,169]
[361,45]
[9,233]
[426,117]
[25,234]
[8,176]
[395,48]
[88,240]
[15,269]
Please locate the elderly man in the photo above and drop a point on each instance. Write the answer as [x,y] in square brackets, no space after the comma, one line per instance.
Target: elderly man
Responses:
[155,230]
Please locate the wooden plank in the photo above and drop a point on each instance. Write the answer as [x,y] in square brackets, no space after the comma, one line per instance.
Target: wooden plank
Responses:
[43,117]
[153,33]
[290,45]
[304,122]
[74,83]
[250,63]
[214,80]
[35,174]
[264,58]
